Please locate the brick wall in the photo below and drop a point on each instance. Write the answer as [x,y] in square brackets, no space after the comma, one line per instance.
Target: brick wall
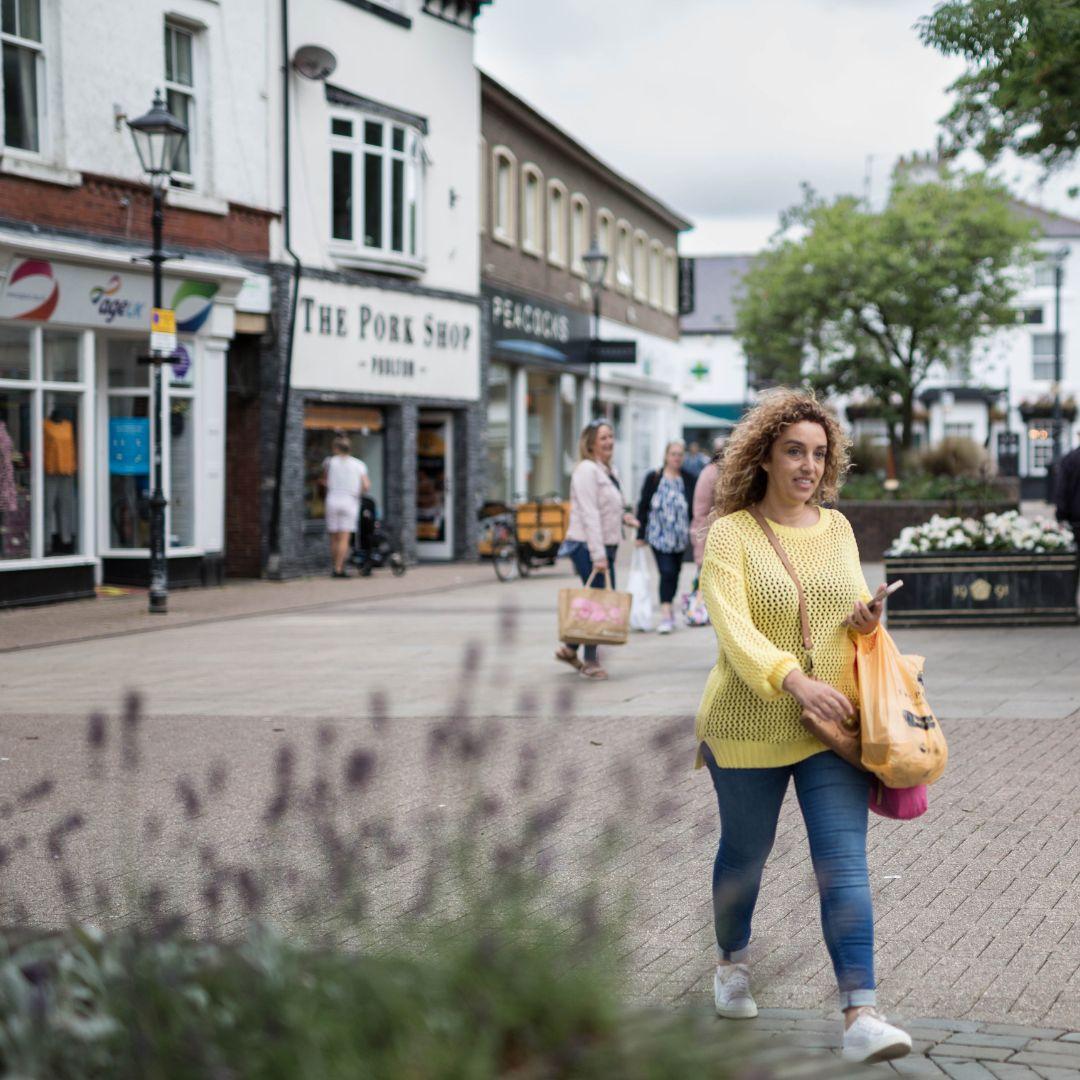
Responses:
[117,209]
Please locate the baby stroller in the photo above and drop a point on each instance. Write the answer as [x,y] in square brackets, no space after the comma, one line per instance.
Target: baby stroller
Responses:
[372,549]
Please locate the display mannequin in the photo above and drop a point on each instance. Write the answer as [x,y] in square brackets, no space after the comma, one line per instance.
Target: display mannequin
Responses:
[61,465]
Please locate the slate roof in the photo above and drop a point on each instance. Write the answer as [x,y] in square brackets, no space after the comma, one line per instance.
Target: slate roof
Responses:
[716,292]
[1054,226]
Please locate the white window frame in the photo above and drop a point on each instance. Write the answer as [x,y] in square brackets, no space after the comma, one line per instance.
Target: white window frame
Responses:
[503,228]
[36,387]
[40,88]
[579,232]
[532,210]
[641,266]
[624,257]
[1043,274]
[172,86]
[671,282]
[356,251]
[558,223]
[958,429]
[1042,362]
[605,237]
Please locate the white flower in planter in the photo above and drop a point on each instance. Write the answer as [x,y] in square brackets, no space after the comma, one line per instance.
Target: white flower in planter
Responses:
[995,532]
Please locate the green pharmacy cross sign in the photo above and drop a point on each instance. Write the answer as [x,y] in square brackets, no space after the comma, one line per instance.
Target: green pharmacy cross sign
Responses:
[700,370]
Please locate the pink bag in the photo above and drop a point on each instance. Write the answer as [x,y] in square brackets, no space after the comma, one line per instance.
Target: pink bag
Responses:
[903,804]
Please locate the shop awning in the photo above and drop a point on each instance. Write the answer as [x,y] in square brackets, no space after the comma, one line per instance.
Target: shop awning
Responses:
[720,415]
[536,350]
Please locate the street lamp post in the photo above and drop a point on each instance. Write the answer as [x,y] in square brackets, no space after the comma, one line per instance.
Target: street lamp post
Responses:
[596,263]
[159,139]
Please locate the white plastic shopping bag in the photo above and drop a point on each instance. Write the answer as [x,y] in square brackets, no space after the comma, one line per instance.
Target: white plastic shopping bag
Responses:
[640,588]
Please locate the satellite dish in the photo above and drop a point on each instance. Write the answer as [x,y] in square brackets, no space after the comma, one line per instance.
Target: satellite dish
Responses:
[314,62]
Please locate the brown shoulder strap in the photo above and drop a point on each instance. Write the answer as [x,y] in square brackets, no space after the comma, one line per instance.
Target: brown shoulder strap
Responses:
[804,617]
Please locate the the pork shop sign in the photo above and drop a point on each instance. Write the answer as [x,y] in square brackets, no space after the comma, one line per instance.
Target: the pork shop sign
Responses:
[386,342]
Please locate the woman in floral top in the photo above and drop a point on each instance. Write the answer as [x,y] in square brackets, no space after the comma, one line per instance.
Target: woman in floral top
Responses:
[664,513]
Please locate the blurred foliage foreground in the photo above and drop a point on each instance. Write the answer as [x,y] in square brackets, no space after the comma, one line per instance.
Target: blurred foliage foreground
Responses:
[278,956]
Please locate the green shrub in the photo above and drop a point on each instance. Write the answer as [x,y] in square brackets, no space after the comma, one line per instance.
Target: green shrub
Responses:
[953,458]
[868,457]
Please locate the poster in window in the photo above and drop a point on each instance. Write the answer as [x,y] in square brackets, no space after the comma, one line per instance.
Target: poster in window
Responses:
[431,481]
[129,446]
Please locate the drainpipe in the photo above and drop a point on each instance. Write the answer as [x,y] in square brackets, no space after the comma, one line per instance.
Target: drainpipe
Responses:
[273,562]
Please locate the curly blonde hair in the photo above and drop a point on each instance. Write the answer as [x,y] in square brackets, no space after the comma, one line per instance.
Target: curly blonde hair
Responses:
[742,479]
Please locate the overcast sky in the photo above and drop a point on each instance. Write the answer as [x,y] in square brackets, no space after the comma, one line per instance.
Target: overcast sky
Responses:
[721,108]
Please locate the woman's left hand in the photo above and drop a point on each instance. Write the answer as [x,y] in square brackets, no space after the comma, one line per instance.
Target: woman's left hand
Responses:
[864,618]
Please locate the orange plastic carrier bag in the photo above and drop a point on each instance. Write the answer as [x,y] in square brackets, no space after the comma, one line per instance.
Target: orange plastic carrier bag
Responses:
[902,741]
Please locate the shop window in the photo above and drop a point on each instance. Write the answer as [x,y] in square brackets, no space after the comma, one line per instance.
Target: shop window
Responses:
[23,59]
[15,457]
[363,427]
[180,89]
[60,356]
[1042,356]
[532,209]
[376,176]
[579,233]
[181,509]
[503,168]
[542,444]
[499,434]
[605,237]
[40,425]
[129,471]
[556,240]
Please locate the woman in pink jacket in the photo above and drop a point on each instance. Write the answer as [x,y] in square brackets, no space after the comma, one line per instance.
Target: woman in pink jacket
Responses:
[596,520]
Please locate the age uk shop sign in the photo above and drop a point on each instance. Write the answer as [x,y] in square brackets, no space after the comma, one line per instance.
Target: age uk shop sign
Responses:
[379,341]
[70,294]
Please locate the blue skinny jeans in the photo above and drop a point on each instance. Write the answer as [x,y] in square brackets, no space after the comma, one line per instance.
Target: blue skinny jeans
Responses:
[669,563]
[833,798]
[582,561]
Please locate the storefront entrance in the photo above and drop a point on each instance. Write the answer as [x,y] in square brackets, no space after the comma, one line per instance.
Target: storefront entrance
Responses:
[435,485]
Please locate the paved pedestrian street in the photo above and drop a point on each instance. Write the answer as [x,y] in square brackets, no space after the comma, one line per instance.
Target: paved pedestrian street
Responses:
[977,904]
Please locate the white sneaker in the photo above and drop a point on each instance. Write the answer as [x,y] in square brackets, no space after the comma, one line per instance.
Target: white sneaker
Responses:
[731,989]
[666,626]
[871,1039]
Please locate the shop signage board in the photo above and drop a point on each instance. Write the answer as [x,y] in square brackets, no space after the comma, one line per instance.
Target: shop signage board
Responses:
[379,341]
[71,294]
[604,351]
[533,328]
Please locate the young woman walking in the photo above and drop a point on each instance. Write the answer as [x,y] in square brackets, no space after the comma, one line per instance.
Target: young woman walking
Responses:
[785,458]
[667,496]
[595,528]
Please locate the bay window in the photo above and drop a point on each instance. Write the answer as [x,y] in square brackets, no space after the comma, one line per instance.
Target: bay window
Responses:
[376,177]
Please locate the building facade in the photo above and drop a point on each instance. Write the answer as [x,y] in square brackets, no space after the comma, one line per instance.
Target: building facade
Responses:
[544,197]
[383,213]
[715,381]
[76,411]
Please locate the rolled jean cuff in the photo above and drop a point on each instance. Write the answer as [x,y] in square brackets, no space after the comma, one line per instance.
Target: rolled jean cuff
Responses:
[852,999]
[734,956]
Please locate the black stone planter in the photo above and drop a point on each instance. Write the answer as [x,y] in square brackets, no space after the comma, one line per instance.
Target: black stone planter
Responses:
[983,588]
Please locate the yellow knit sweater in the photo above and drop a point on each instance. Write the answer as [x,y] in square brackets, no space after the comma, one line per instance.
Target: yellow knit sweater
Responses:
[745,717]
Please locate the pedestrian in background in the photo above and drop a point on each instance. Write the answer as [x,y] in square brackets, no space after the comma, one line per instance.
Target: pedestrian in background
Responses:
[786,457]
[1067,491]
[664,515]
[595,528]
[696,460]
[705,500]
[345,479]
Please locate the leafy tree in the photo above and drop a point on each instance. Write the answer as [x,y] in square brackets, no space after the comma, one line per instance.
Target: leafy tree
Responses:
[1021,90]
[853,301]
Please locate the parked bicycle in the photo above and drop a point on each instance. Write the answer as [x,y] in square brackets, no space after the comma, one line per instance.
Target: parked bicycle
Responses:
[523,536]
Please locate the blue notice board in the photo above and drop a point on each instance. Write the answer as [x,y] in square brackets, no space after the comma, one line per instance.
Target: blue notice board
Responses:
[129,446]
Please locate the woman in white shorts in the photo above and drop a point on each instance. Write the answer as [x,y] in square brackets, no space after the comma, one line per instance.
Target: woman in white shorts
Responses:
[346,479]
